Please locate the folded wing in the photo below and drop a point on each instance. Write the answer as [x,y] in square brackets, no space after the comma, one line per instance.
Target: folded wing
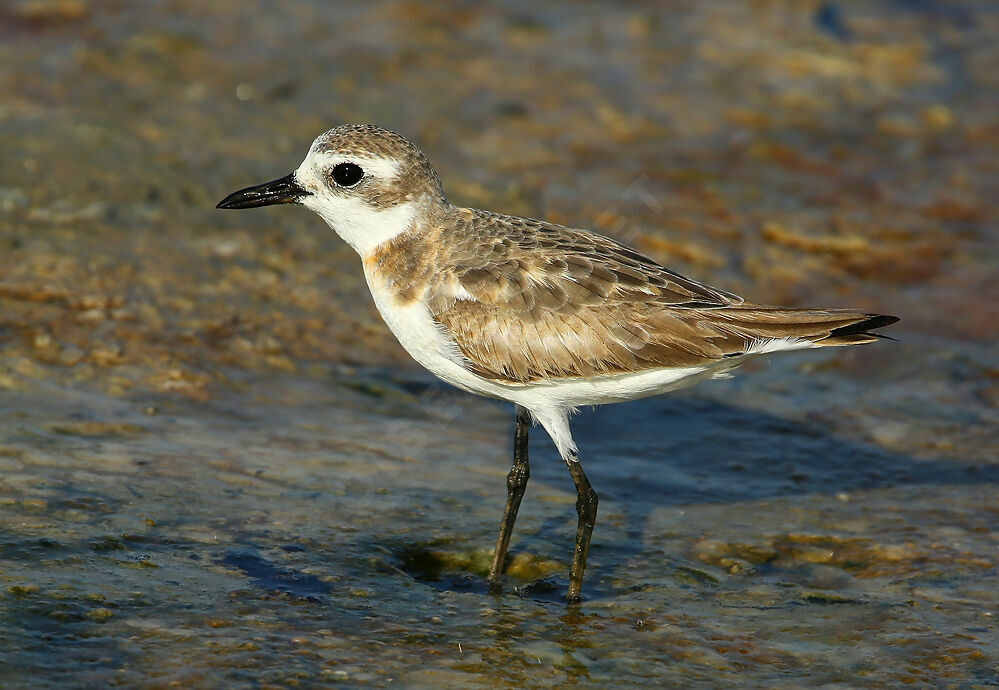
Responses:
[541,302]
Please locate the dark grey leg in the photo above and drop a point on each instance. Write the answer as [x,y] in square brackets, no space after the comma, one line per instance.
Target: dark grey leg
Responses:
[516,483]
[586,509]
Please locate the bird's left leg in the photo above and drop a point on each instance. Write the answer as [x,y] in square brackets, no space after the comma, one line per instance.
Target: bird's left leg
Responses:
[586,510]
[516,484]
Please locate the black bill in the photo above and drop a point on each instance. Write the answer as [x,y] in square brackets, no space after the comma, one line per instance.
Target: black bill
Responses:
[283,191]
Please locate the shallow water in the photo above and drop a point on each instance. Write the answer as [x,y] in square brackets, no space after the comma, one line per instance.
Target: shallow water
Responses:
[217,468]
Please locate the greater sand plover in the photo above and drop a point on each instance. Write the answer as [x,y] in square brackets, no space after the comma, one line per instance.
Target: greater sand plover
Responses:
[544,316]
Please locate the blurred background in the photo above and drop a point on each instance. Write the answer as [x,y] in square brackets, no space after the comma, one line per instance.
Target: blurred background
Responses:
[218,467]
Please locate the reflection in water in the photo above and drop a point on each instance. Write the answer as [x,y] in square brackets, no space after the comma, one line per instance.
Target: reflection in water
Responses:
[273,579]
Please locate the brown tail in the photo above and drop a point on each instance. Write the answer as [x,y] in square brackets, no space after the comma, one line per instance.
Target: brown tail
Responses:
[831,327]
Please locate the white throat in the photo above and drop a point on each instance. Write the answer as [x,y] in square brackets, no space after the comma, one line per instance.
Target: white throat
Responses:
[360,225]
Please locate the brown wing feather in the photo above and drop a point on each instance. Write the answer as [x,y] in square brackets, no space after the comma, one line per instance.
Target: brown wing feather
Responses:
[526,300]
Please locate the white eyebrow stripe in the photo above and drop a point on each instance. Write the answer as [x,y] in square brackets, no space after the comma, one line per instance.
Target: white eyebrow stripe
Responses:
[377,166]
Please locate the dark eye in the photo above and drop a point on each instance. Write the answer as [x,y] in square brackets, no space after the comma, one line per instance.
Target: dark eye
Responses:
[347,174]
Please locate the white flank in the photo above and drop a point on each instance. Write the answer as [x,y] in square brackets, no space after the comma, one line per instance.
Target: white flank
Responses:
[460,293]
[759,346]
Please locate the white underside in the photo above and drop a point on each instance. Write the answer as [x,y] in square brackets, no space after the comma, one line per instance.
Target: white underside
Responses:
[550,401]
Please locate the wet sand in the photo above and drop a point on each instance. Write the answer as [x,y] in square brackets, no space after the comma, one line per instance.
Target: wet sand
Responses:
[218,468]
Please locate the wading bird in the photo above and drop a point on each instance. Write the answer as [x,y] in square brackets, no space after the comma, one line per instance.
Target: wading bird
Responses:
[544,316]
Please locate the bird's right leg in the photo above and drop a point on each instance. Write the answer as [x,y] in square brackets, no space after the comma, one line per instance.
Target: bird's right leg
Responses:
[516,484]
